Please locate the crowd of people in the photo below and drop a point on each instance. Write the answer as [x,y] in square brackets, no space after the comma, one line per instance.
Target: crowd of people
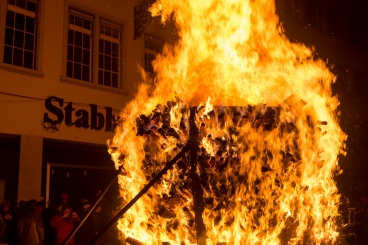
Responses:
[31,223]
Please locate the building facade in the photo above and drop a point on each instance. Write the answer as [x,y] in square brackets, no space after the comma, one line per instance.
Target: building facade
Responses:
[67,68]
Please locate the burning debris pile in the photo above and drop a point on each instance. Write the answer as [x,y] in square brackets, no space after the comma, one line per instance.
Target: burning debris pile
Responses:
[264,157]
[221,144]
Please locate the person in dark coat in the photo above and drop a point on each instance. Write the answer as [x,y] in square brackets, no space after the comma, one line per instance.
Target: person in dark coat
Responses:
[91,226]
[30,225]
[97,219]
[64,200]
[2,226]
[47,215]
[8,222]
[17,213]
[21,205]
[85,232]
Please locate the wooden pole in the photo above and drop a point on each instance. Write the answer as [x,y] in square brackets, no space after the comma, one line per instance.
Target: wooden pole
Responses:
[92,208]
[196,183]
[139,195]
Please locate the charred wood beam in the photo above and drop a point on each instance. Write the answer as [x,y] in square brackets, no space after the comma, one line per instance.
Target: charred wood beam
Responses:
[139,195]
[133,241]
[196,183]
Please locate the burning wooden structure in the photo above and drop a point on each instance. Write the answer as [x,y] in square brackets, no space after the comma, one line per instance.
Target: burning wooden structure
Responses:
[207,163]
[256,168]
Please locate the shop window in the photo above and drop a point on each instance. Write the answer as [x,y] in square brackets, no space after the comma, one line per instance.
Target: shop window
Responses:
[20,40]
[108,54]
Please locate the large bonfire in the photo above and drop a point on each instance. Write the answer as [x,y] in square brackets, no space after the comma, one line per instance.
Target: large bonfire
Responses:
[268,136]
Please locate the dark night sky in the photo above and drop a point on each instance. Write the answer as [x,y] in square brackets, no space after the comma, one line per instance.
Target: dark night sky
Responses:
[338,32]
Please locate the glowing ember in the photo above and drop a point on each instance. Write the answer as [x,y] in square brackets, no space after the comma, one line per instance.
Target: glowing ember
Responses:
[268,132]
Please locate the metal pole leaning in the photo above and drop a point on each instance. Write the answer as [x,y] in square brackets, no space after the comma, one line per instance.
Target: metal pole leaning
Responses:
[139,195]
[92,208]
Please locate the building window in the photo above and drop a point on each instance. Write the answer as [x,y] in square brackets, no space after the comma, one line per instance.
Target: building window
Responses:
[79,50]
[93,49]
[108,54]
[21,33]
[152,47]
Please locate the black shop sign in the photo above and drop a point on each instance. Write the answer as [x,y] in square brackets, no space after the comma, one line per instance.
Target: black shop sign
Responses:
[78,118]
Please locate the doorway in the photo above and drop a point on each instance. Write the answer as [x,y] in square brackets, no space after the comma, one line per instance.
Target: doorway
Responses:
[79,182]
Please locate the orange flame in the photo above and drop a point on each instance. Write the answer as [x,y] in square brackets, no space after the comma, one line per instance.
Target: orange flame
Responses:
[279,185]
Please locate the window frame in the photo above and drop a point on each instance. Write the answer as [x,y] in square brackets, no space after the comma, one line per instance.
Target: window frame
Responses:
[82,31]
[113,40]
[38,57]
[156,41]
[98,19]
